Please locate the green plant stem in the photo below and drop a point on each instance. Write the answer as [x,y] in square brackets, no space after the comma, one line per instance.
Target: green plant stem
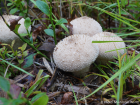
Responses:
[4,2]
[53,26]
[31,45]
[119,15]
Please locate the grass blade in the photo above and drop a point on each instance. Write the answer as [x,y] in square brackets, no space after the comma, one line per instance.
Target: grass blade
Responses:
[124,68]
[16,67]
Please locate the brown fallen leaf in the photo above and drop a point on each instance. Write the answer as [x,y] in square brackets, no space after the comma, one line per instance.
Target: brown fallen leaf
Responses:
[48,45]
[36,32]
[67,98]
[14,22]
[51,95]
[15,90]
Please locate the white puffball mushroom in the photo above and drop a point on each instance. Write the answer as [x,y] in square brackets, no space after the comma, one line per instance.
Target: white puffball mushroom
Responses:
[86,25]
[103,57]
[6,35]
[75,54]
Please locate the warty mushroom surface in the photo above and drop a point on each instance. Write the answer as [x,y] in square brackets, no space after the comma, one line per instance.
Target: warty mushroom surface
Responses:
[85,25]
[104,56]
[75,54]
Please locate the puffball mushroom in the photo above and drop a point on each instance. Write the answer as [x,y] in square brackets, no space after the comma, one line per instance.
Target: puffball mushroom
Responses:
[6,35]
[85,25]
[75,54]
[103,57]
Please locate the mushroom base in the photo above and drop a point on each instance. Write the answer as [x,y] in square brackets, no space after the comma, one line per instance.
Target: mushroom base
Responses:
[82,72]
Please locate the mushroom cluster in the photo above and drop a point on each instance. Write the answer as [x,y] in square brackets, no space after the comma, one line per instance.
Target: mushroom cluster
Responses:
[77,52]
[6,35]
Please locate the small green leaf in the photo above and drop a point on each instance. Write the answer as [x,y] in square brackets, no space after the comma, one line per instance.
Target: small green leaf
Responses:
[25,11]
[31,39]
[27,22]
[25,53]
[12,11]
[37,96]
[21,14]
[4,84]
[9,4]
[49,32]
[4,101]
[43,7]
[20,61]
[61,21]
[24,46]
[43,100]
[12,44]
[65,28]
[29,60]
[18,101]
[16,28]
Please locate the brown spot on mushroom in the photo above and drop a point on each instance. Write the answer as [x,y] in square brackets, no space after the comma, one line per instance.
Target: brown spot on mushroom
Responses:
[55,49]
[71,40]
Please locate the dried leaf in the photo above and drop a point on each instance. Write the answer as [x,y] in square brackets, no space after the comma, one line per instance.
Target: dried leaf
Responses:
[48,66]
[67,98]
[14,22]
[29,60]
[15,91]
[36,32]
[47,47]
[53,94]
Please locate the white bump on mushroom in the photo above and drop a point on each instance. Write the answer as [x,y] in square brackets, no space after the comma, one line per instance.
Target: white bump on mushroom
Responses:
[6,35]
[85,53]
[103,47]
[85,25]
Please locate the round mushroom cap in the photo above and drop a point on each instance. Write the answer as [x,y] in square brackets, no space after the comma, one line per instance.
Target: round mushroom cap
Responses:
[6,35]
[86,25]
[104,56]
[74,53]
